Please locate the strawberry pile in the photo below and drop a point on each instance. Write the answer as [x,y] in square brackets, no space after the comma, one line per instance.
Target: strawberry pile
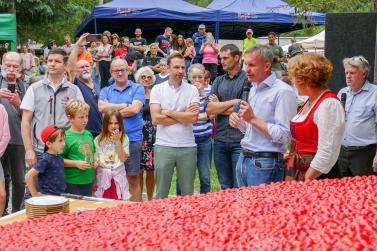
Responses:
[312,215]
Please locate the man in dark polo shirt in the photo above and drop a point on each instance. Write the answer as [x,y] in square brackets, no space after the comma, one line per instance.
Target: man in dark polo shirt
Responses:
[226,92]
[152,60]
[82,70]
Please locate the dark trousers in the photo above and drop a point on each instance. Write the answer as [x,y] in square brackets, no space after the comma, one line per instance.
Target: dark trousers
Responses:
[84,190]
[13,162]
[212,68]
[356,161]
[104,72]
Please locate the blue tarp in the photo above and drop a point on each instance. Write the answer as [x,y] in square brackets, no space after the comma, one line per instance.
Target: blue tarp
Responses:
[153,15]
[261,15]
[228,19]
[271,11]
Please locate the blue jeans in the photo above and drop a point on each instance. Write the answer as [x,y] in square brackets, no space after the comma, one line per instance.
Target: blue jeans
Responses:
[226,156]
[187,65]
[203,162]
[257,171]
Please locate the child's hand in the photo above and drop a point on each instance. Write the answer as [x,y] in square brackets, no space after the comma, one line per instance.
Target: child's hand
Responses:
[83,165]
[116,135]
[37,194]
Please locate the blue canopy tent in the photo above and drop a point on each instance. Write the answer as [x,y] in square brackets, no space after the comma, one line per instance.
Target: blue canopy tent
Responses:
[123,16]
[233,16]
[260,15]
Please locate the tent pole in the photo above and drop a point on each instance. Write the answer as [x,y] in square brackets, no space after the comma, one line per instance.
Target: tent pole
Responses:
[217,31]
[95,25]
[217,27]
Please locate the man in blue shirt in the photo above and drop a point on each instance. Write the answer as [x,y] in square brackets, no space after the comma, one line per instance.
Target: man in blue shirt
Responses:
[199,39]
[128,98]
[358,152]
[265,121]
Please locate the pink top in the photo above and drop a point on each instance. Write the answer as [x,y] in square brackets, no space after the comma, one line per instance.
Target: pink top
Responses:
[4,130]
[209,55]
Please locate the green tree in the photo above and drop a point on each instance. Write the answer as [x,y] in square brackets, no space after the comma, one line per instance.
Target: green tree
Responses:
[203,3]
[43,19]
[328,6]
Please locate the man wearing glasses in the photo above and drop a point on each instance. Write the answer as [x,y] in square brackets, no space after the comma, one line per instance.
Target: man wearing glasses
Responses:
[81,69]
[128,98]
[358,152]
[12,91]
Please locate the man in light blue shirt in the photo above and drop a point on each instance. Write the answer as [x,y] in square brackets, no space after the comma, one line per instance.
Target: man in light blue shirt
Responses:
[358,152]
[265,120]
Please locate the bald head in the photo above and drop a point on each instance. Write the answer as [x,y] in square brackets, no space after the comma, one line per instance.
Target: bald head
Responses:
[83,70]
[118,62]
[119,71]
[11,66]
[12,55]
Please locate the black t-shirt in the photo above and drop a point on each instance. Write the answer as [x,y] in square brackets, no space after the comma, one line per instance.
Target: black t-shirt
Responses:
[138,42]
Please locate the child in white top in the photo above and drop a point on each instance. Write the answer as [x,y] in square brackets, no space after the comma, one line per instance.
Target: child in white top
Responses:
[112,151]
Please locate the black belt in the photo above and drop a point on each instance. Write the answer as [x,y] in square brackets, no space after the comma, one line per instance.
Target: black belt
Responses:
[250,154]
[355,148]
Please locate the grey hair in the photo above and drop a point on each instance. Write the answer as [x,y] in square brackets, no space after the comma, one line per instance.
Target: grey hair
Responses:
[264,52]
[196,66]
[359,62]
[12,54]
[146,69]
[116,61]
[164,60]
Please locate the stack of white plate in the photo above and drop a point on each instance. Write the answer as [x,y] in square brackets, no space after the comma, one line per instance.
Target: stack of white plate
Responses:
[45,205]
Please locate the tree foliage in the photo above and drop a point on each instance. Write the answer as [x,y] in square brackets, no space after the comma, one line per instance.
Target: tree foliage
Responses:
[43,19]
[330,6]
[40,20]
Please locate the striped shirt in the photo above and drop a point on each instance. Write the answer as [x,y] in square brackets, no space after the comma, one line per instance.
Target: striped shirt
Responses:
[203,128]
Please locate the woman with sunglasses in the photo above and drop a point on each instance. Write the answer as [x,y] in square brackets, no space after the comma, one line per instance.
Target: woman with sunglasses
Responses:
[145,77]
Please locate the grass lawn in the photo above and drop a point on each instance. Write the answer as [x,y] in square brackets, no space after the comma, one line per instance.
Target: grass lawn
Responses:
[215,186]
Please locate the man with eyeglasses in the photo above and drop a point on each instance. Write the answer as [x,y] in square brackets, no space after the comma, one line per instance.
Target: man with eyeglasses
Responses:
[358,152]
[128,98]
[12,91]
[81,69]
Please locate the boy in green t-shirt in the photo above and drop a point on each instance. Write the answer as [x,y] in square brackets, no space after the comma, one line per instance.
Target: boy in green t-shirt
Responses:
[79,150]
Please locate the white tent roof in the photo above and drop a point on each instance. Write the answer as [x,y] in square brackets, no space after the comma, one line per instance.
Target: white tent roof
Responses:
[314,42]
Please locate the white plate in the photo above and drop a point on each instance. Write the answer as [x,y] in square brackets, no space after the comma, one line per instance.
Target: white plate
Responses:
[47,200]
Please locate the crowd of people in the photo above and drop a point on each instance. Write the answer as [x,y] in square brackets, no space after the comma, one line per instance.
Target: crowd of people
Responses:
[112,115]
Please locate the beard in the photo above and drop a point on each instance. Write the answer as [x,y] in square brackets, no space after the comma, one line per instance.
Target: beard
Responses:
[10,77]
[86,76]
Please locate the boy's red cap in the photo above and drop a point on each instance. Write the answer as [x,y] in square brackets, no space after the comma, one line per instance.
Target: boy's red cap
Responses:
[47,131]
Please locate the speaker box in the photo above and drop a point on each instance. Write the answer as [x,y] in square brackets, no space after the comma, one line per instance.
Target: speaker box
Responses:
[348,35]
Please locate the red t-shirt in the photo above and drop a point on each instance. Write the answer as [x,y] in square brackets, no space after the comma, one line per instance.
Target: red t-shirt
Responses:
[122,53]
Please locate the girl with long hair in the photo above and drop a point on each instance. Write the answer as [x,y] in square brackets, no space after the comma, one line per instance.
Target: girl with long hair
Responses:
[112,147]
